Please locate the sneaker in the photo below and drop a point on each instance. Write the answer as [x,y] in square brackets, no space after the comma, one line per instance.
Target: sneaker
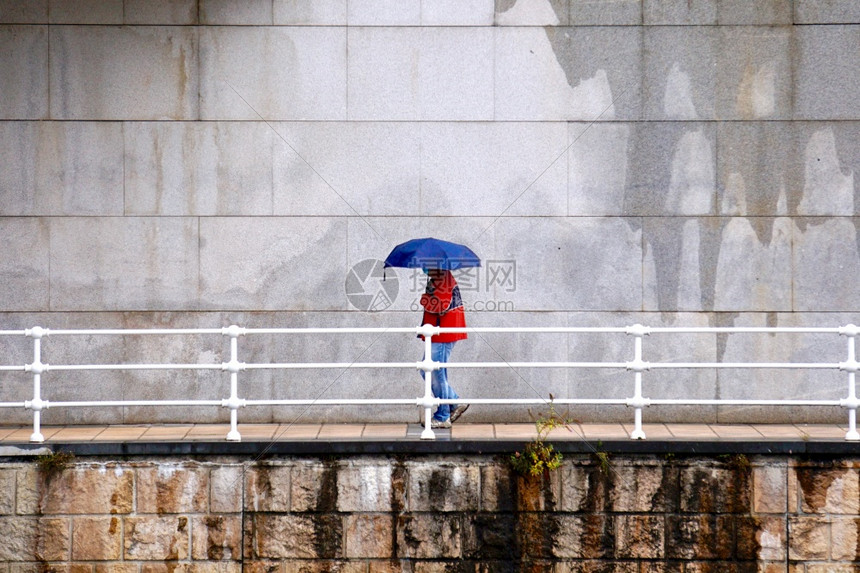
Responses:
[440,424]
[458,411]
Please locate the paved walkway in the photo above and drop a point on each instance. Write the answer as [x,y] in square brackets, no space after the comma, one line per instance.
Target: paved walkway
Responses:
[154,433]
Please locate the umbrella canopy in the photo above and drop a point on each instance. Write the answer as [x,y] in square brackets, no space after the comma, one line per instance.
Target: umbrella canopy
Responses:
[430,253]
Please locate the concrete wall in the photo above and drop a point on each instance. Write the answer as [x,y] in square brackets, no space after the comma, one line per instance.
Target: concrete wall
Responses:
[375,514]
[182,163]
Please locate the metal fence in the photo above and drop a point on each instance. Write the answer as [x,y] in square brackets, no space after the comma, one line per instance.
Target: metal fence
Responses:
[637,366]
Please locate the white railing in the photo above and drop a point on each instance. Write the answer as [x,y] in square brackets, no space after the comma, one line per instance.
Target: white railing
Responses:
[37,368]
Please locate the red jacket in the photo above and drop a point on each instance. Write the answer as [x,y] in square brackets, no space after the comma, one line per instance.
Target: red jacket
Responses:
[444,307]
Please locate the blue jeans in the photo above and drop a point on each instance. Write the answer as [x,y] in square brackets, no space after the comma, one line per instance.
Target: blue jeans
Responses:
[440,352]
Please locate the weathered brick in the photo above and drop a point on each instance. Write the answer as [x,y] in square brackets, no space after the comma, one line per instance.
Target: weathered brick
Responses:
[172,488]
[382,567]
[761,538]
[490,536]
[313,487]
[584,536]
[844,538]
[274,536]
[641,488]
[32,539]
[699,537]
[156,538]
[76,490]
[118,567]
[364,486]
[538,493]
[262,566]
[7,492]
[808,537]
[226,489]
[770,489]
[321,566]
[96,538]
[829,490]
[583,488]
[216,537]
[660,567]
[715,489]
[444,487]
[831,568]
[639,536]
[369,536]
[267,488]
[497,488]
[172,567]
[429,536]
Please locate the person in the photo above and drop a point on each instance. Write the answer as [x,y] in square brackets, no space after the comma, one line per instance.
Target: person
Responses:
[443,307]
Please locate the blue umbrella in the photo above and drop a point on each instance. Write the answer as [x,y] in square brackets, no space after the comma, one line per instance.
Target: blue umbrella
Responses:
[430,253]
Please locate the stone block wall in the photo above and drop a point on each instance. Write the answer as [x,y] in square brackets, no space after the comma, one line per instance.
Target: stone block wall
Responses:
[636,513]
[203,163]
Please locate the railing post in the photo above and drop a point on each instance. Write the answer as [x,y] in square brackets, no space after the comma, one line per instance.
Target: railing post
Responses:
[428,366]
[851,403]
[37,404]
[638,366]
[233,367]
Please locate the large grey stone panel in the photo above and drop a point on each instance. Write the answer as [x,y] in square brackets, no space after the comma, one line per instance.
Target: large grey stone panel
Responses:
[583,73]
[382,13]
[671,169]
[107,12]
[507,382]
[760,171]
[331,383]
[210,168]
[602,13]
[346,168]
[754,73]
[160,12]
[829,154]
[300,13]
[619,383]
[61,168]
[826,12]
[573,263]
[679,77]
[24,264]
[529,13]
[143,384]
[273,73]
[440,73]
[680,262]
[230,13]
[457,12]
[128,263]
[598,162]
[494,169]
[678,12]
[759,13]
[101,72]
[826,75]
[826,260]
[17,12]
[804,168]
[785,384]
[23,72]
[278,263]
[754,265]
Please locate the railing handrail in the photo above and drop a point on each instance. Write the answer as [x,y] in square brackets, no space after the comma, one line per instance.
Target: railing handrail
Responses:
[427,366]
